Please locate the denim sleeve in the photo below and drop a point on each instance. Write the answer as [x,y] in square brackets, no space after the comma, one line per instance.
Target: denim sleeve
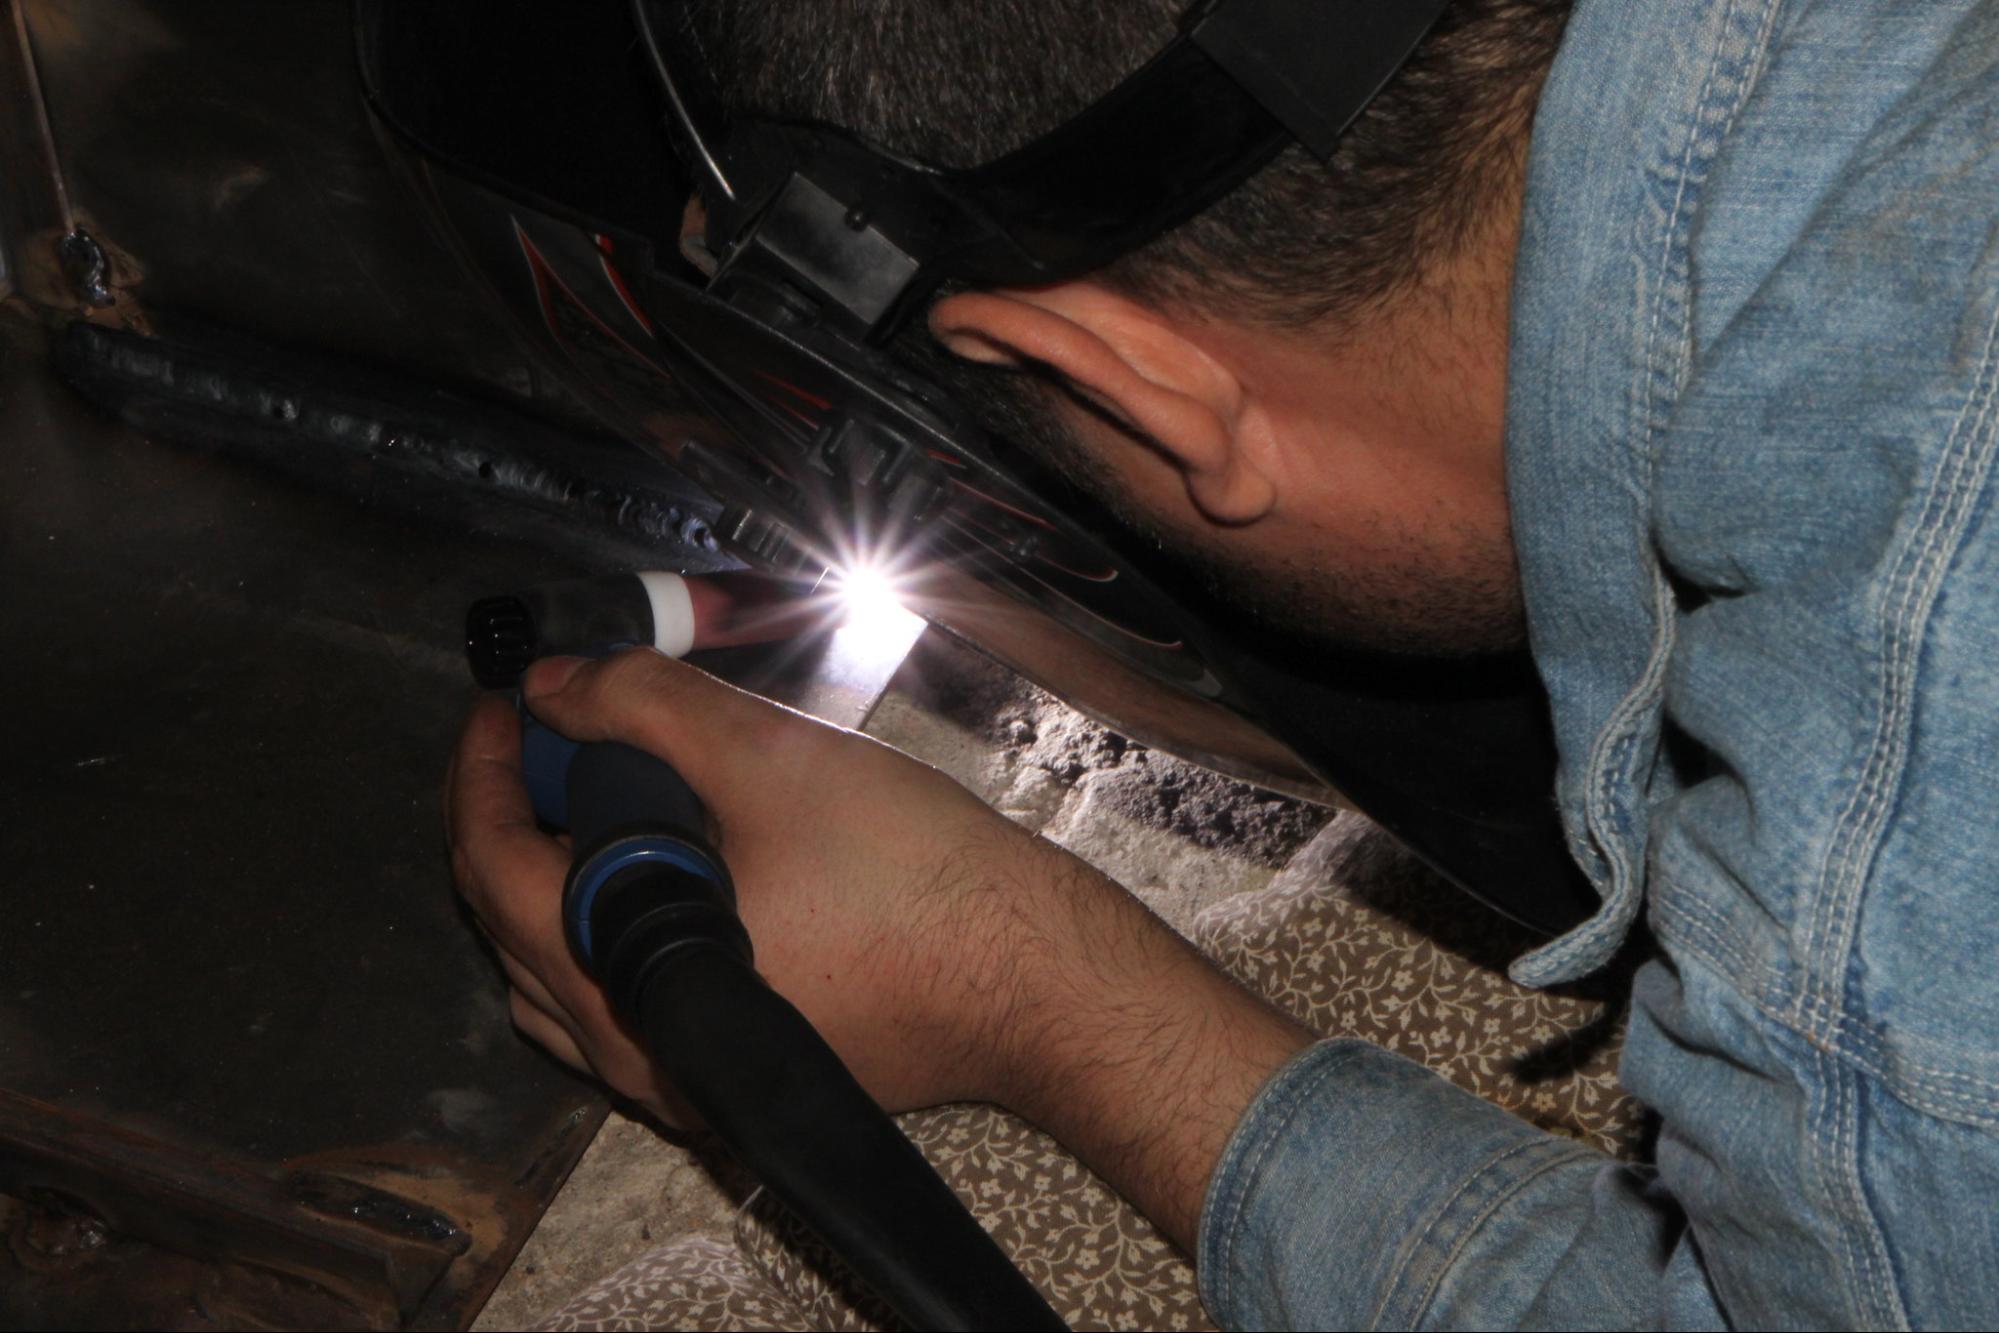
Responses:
[1362,1191]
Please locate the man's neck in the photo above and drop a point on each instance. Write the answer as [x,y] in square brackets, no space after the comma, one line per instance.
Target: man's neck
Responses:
[1386,438]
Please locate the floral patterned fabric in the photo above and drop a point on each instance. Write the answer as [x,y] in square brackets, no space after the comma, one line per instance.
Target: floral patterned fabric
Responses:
[1096,1260]
[1354,938]
[1357,939]
[697,1282]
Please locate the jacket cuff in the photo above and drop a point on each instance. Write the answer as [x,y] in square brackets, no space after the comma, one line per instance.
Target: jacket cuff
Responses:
[1350,1190]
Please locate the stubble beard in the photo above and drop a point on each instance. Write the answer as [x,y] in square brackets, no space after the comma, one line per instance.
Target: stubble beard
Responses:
[1415,603]
[1415,606]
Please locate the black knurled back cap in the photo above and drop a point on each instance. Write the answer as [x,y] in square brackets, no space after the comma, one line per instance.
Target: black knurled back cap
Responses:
[499,641]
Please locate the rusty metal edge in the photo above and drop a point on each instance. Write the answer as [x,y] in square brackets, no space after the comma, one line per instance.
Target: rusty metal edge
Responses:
[212,1209]
[456,1300]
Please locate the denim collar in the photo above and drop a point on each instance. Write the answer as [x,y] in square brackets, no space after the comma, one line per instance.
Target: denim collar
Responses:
[1629,125]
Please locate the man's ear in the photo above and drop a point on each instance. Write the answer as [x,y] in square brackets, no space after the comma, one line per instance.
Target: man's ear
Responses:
[1141,370]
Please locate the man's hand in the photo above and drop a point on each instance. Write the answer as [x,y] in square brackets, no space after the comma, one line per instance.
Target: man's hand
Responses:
[884,900]
[944,953]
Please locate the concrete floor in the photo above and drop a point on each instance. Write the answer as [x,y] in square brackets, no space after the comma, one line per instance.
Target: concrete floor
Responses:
[1176,835]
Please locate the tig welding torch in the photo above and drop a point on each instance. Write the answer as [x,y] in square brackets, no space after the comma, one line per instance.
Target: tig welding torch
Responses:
[673,613]
[650,912]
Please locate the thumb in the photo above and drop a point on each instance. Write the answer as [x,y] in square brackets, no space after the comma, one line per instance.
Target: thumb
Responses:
[645,699]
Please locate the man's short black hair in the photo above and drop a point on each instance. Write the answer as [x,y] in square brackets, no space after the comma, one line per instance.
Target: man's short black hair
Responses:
[959,82]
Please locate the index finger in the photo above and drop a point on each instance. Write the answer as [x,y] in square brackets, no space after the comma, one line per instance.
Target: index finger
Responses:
[484,789]
[508,869]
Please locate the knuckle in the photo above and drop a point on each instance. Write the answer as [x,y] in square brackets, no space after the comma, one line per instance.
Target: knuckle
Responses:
[633,669]
[774,735]
[462,872]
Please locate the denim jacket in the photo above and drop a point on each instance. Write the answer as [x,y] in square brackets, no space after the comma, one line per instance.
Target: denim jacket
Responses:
[1750,437]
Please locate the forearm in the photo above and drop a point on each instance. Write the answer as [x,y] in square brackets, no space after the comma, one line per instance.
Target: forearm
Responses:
[947,955]
[944,953]
[1134,1051]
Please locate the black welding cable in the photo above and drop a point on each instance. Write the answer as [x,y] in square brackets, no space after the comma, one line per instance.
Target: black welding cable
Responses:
[769,1085]
[651,911]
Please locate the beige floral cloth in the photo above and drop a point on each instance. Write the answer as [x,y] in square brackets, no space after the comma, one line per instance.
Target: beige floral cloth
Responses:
[1355,938]
[700,1282]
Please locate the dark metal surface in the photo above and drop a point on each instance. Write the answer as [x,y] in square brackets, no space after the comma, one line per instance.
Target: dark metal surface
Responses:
[34,207]
[247,1039]
[223,154]
[228,930]
[388,440]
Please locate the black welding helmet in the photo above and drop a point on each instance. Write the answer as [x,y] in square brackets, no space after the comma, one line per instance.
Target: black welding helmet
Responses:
[559,151]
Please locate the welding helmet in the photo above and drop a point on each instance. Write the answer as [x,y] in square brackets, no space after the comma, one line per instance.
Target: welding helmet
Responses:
[755,355]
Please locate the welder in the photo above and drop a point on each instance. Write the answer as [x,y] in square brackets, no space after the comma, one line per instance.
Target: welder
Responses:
[1659,337]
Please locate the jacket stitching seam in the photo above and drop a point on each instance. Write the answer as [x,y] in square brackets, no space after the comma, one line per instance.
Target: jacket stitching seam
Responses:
[1819,1179]
[1299,1095]
[1920,568]
[1920,1084]
[1877,1277]
[1915,585]
[1768,989]
[1619,735]
[1559,1155]
[1724,949]
[1846,1181]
